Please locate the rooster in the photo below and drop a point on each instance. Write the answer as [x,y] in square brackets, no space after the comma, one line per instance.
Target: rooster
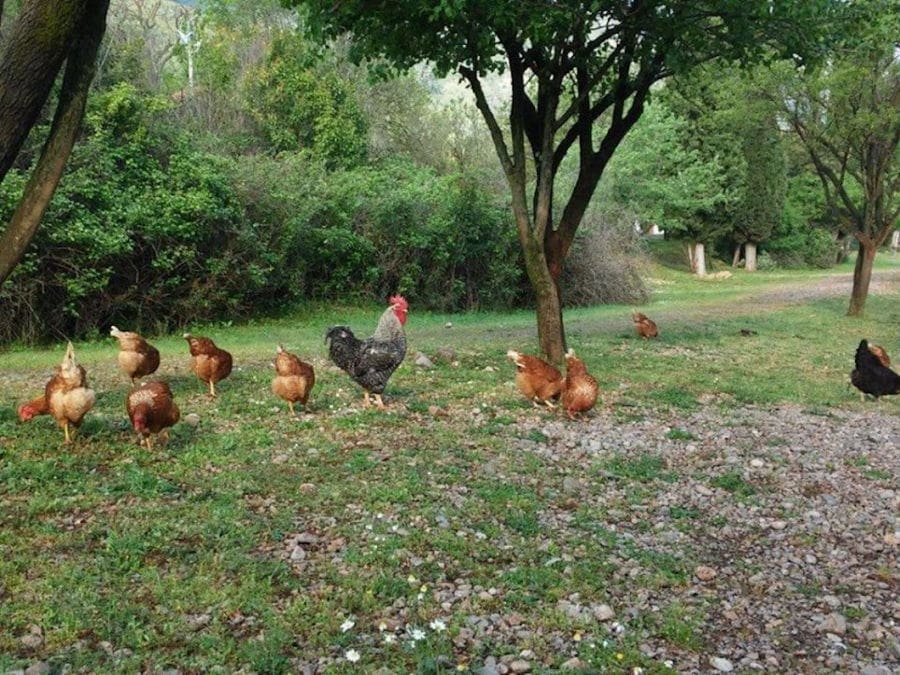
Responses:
[137,357]
[151,409]
[371,362]
[871,376]
[580,389]
[644,326]
[67,395]
[537,380]
[210,363]
[293,380]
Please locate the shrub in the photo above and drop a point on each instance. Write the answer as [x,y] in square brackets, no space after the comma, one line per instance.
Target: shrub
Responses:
[604,264]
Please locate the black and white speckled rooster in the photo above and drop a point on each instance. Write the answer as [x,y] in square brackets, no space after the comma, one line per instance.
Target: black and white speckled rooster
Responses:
[371,362]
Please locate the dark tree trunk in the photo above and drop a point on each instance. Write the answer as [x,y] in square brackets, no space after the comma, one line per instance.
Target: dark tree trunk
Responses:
[38,43]
[862,275]
[80,67]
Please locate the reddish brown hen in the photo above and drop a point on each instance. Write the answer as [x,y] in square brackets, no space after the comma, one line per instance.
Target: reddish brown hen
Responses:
[581,389]
[644,326]
[537,380]
[294,379]
[30,410]
[151,410]
[137,357]
[208,362]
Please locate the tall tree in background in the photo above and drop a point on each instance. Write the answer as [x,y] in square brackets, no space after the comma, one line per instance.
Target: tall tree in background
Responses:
[764,185]
[45,34]
[848,118]
[579,74]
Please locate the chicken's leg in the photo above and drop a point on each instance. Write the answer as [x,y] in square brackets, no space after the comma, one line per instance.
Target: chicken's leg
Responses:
[367,403]
[379,403]
[212,388]
[66,431]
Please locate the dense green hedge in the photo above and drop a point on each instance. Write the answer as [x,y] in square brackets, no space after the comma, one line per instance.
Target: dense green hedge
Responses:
[149,233]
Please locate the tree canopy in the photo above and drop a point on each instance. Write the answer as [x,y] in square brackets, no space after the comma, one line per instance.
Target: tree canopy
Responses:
[579,75]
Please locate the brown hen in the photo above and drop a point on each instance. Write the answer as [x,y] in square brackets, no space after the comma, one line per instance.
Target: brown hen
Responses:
[537,380]
[151,410]
[137,357]
[208,362]
[644,326]
[67,395]
[581,389]
[294,379]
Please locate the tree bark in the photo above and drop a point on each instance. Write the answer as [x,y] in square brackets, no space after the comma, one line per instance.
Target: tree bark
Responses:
[750,256]
[736,258]
[39,41]
[699,259]
[895,241]
[862,275]
[80,68]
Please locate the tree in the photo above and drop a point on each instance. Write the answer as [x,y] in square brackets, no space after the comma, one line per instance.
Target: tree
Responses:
[670,171]
[43,36]
[847,116]
[579,74]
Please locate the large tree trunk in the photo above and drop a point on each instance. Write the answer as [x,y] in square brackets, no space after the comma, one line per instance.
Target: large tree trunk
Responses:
[80,68]
[750,256]
[862,275]
[736,258]
[39,41]
[895,241]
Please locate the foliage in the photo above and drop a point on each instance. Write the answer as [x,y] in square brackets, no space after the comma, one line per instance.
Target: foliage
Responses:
[175,235]
[605,263]
[301,106]
[669,175]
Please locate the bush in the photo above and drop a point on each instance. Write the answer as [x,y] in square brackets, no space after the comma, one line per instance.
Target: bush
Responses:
[604,264]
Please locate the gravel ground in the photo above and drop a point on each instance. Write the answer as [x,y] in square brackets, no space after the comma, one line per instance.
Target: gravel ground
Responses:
[801,575]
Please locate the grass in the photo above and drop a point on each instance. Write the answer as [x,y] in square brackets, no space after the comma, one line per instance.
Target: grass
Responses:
[114,551]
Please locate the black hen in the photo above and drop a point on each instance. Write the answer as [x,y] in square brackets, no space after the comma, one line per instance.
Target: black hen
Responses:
[870,377]
[371,362]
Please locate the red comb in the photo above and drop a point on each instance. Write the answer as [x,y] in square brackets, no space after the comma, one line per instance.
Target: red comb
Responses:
[400,301]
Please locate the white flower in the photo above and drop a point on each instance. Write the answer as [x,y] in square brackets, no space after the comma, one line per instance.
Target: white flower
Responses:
[637,671]
[417,634]
[382,626]
[351,655]
[390,639]
[438,625]
[617,628]
[347,625]
[669,663]
[411,579]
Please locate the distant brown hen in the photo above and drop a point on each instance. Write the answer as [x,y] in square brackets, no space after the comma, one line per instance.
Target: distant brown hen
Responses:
[294,379]
[208,362]
[537,380]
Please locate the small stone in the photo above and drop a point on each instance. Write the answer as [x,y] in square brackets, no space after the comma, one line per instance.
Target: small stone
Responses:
[703,490]
[298,554]
[704,573]
[721,664]
[198,621]
[192,419]
[832,601]
[520,666]
[280,459]
[757,463]
[573,664]
[39,668]
[307,488]
[892,538]
[31,640]
[445,355]
[833,623]
[778,524]
[602,612]
[490,369]
[868,670]
[423,361]
[307,539]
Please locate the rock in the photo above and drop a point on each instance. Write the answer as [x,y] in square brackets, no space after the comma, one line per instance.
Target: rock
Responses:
[833,623]
[445,355]
[704,573]
[602,612]
[870,670]
[192,419]
[39,668]
[489,369]
[298,554]
[703,490]
[778,524]
[520,666]
[198,621]
[574,664]
[721,664]
[423,361]
[307,488]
